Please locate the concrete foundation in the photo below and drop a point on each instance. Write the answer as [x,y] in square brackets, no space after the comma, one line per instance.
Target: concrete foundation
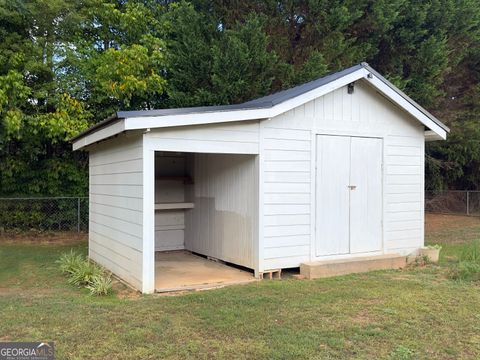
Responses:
[327,268]
[182,270]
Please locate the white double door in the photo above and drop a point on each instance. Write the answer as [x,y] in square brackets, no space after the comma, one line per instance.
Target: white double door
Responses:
[348,195]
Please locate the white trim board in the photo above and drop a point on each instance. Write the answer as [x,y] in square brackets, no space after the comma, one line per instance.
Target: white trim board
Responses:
[99,135]
[435,132]
[393,95]
[148,245]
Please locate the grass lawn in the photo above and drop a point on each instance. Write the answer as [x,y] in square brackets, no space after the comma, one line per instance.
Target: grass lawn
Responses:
[415,313]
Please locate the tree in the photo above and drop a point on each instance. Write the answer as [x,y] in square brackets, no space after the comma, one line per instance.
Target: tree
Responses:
[211,64]
[66,64]
[36,119]
[117,56]
[54,83]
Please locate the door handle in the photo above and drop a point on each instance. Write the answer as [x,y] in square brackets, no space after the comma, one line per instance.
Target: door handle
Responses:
[352,187]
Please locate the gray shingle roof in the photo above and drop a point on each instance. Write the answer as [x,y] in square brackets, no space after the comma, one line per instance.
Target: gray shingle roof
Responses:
[260,103]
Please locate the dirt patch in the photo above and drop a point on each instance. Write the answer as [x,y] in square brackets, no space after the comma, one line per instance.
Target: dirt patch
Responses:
[120,290]
[363,317]
[125,292]
[404,276]
[439,222]
[30,293]
[60,238]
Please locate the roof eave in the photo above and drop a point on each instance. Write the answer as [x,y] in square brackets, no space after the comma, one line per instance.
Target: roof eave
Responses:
[134,120]
[113,127]
[105,122]
[433,136]
[141,122]
[407,98]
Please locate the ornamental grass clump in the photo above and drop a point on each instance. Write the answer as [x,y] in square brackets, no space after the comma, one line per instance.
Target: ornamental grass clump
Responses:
[465,271]
[100,285]
[85,273]
[82,272]
[471,252]
[468,267]
[69,262]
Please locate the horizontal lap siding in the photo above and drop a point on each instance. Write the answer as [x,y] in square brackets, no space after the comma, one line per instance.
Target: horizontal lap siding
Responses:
[404,197]
[116,207]
[288,175]
[287,193]
[366,113]
[234,138]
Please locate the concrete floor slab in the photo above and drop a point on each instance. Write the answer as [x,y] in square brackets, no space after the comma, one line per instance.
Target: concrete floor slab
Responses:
[182,270]
[327,268]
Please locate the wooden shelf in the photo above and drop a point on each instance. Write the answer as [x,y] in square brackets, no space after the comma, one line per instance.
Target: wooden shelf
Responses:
[171,206]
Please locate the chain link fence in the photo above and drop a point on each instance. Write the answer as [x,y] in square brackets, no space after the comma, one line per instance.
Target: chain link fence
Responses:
[71,213]
[459,202]
[44,214]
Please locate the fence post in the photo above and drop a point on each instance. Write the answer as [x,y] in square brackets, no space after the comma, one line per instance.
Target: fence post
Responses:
[78,214]
[468,202]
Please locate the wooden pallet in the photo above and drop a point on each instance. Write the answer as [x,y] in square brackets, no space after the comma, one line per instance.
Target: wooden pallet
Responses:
[272,274]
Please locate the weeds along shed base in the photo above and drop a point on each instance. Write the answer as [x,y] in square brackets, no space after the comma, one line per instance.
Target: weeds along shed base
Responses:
[331,169]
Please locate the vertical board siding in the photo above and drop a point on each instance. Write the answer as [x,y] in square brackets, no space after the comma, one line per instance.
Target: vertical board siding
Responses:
[288,177]
[116,207]
[222,222]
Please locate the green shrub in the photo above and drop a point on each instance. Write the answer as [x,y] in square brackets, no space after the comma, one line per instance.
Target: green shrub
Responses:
[466,270]
[70,262]
[421,260]
[471,252]
[100,285]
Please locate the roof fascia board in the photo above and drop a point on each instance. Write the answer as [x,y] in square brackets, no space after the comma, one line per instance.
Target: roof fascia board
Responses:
[406,105]
[376,80]
[101,134]
[407,98]
[135,123]
[432,136]
[318,92]
[142,122]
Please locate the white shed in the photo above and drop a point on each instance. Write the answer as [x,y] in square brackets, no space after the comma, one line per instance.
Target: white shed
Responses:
[331,169]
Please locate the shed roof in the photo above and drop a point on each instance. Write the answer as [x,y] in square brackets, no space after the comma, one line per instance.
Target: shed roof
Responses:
[265,107]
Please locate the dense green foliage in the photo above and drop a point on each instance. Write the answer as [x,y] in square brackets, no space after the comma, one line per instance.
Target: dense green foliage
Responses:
[44,214]
[66,64]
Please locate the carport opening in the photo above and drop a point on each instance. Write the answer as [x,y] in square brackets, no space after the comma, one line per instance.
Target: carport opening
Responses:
[205,219]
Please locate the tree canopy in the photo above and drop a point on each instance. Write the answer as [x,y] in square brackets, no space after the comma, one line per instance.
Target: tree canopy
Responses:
[67,64]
